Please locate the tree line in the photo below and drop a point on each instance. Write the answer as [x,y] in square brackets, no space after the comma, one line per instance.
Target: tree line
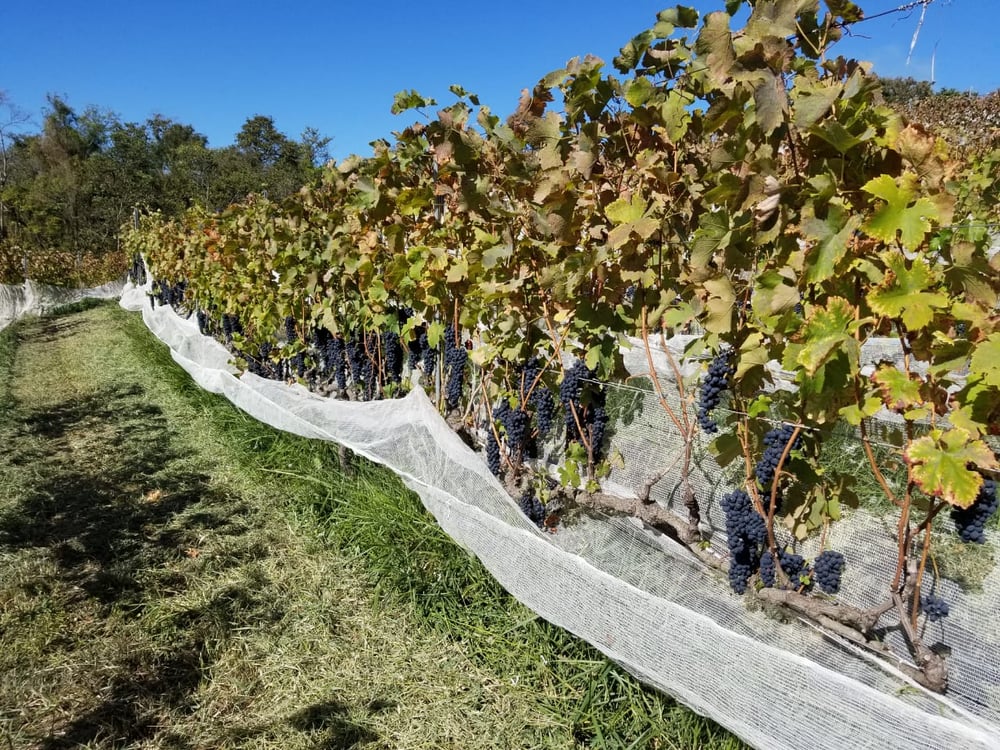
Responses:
[68,186]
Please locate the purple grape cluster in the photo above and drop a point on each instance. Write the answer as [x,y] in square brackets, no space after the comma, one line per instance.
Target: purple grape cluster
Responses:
[392,357]
[774,445]
[137,271]
[747,534]
[492,453]
[934,607]
[428,354]
[230,325]
[455,358]
[970,523]
[793,566]
[541,397]
[516,425]
[768,573]
[290,333]
[714,384]
[588,401]
[532,507]
[827,570]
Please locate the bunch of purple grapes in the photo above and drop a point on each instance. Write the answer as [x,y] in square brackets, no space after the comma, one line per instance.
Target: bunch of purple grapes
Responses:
[584,407]
[827,570]
[746,534]
[455,358]
[775,442]
[934,607]
[540,397]
[714,384]
[970,523]
[532,507]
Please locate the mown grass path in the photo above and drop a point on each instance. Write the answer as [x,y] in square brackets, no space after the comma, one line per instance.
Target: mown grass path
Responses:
[174,575]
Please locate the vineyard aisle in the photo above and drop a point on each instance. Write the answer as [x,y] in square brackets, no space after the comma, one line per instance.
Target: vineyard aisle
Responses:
[163,585]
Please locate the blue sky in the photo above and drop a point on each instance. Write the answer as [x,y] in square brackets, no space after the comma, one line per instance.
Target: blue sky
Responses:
[335,66]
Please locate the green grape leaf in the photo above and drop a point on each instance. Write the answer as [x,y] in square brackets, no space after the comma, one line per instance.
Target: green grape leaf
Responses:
[896,216]
[719,307]
[855,413]
[628,216]
[771,102]
[941,465]
[639,91]
[829,238]
[811,100]
[404,100]
[986,361]
[904,293]
[828,332]
[899,390]
[715,42]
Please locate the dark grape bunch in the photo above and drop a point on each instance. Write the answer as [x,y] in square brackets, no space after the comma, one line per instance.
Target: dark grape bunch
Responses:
[540,397]
[428,354]
[970,523]
[392,357]
[492,450]
[933,606]
[203,325]
[827,570]
[793,566]
[774,445]
[137,271]
[230,325]
[532,507]
[768,572]
[290,333]
[592,415]
[747,534]
[455,358]
[516,426]
[414,347]
[715,383]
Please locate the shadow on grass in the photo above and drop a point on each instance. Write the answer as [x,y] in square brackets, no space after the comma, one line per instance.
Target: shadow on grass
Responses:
[113,501]
[334,731]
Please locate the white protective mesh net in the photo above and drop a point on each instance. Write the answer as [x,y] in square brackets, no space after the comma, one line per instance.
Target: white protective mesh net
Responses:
[32,298]
[637,596]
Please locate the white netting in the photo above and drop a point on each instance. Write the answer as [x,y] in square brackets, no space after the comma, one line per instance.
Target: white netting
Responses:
[32,298]
[638,597]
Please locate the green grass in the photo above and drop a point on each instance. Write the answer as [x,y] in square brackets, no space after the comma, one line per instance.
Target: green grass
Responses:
[175,574]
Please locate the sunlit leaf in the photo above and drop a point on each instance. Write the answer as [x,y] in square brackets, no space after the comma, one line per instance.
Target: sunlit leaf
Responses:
[907,293]
[941,465]
[899,215]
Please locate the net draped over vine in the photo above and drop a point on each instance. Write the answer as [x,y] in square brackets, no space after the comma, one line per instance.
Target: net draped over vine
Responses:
[32,298]
[636,595]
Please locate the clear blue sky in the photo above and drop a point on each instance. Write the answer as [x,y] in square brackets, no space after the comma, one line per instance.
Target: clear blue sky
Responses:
[336,65]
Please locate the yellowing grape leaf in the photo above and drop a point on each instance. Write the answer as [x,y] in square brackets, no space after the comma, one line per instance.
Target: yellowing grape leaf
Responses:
[986,361]
[947,464]
[899,390]
[896,216]
[629,216]
[829,237]
[905,293]
[827,333]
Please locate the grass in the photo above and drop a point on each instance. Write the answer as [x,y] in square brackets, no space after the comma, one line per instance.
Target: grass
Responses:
[174,574]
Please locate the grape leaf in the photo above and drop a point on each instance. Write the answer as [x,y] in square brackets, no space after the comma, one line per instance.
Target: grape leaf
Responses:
[896,215]
[828,333]
[899,390]
[941,465]
[905,294]
[986,361]
[629,217]
[830,237]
